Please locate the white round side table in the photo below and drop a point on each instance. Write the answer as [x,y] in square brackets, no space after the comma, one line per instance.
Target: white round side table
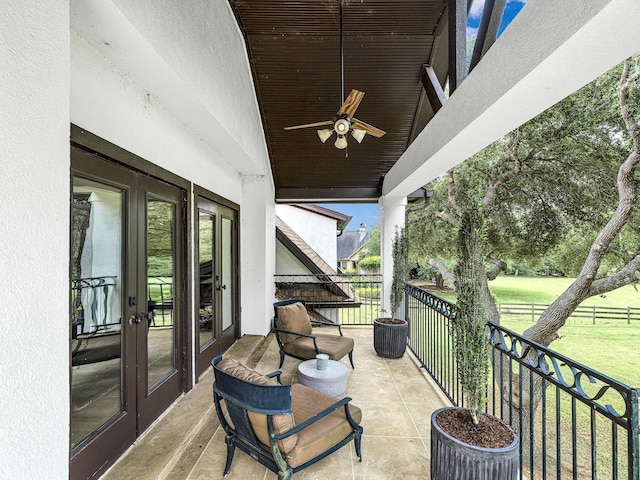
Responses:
[332,381]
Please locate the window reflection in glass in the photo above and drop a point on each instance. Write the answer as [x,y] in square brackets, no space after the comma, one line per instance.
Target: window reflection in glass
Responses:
[205,264]
[160,288]
[96,306]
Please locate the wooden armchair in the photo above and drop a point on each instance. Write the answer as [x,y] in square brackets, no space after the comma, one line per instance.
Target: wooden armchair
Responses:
[284,427]
[293,333]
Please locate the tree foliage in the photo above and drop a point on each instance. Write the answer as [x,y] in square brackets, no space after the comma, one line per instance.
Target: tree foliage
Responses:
[470,348]
[549,187]
[399,253]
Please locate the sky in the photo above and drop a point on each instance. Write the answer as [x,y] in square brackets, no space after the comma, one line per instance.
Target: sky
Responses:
[369,213]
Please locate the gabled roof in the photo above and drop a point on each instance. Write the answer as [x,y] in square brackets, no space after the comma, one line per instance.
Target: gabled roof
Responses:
[350,242]
[312,261]
[341,218]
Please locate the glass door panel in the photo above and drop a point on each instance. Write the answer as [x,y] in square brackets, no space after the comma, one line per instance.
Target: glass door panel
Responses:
[206,241]
[160,290]
[227,273]
[97,220]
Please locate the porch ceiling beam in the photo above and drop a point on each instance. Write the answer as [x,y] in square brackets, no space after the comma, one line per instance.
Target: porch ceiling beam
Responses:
[457,12]
[488,29]
[432,88]
[550,50]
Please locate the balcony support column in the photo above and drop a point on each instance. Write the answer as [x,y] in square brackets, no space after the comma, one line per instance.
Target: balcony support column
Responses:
[392,216]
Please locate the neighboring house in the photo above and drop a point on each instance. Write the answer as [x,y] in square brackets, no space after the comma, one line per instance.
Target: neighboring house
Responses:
[301,271]
[317,226]
[349,247]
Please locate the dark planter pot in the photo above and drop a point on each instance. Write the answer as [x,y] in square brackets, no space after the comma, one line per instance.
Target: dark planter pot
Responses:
[451,458]
[390,340]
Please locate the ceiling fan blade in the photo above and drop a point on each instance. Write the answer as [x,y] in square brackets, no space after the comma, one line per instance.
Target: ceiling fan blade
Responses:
[370,129]
[307,125]
[350,105]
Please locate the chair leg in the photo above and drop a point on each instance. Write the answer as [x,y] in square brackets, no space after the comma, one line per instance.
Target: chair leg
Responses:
[231,448]
[281,358]
[351,359]
[286,475]
[358,444]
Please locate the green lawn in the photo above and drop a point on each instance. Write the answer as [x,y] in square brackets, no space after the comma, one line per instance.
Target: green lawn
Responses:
[610,347]
[510,289]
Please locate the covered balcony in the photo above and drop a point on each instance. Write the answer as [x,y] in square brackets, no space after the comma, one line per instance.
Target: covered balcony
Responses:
[162,130]
[584,426]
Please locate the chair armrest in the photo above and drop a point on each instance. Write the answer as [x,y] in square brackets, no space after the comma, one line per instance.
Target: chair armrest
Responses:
[340,403]
[329,324]
[294,333]
[275,374]
[313,337]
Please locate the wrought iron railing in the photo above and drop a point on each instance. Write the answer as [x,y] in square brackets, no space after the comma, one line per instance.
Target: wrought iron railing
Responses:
[345,299]
[92,307]
[160,301]
[574,422]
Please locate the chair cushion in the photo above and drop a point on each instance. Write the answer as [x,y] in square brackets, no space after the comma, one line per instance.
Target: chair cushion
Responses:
[335,346]
[324,433]
[294,318]
[281,423]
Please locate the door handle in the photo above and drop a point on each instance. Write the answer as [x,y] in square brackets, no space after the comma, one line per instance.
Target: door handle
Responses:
[140,317]
[222,287]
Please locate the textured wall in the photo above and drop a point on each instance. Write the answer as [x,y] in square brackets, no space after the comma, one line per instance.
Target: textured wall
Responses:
[34,234]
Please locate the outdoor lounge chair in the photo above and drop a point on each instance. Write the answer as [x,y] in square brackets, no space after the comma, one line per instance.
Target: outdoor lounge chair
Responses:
[293,333]
[284,427]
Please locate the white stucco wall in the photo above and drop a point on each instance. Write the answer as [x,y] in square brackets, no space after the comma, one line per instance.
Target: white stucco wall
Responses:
[318,231]
[34,234]
[173,85]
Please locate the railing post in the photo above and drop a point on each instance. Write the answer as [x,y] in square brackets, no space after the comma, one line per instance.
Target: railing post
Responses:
[634,450]
[594,314]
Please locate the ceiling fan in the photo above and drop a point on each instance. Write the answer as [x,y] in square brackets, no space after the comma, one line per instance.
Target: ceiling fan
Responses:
[344,120]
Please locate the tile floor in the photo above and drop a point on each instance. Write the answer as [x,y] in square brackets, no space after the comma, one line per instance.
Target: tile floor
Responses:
[395,396]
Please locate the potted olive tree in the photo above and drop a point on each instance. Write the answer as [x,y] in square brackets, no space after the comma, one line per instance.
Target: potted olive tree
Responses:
[467,443]
[390,333]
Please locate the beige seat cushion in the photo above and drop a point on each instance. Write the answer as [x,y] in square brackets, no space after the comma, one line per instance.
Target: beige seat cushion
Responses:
[322,434]
[281,423]
[294,318]
[335,346]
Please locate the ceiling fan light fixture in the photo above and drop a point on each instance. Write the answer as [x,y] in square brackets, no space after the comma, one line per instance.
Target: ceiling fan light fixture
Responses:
[324,134]
[341,142]
[341,126]
[358,134]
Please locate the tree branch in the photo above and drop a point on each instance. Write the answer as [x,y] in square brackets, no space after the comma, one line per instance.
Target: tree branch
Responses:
[626,275]
[444,271]
[451,189]
[447,217]
[498,267]
[496,180]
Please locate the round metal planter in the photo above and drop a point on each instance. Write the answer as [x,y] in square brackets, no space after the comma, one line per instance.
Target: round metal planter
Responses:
[451,458]
[390,340]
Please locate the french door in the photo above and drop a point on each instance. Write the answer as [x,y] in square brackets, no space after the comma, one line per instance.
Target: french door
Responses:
[216,268]
[127,307]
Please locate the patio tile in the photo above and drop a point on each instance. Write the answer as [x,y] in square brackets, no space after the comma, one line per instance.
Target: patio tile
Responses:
[392,457]
[395,396]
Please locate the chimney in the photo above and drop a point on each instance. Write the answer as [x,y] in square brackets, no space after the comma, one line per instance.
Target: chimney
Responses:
[363,228]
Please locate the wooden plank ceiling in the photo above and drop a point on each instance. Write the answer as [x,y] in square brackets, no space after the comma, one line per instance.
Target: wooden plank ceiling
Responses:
[294,50]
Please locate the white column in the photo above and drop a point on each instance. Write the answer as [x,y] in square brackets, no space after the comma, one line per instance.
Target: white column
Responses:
[257,254]
[392,216]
